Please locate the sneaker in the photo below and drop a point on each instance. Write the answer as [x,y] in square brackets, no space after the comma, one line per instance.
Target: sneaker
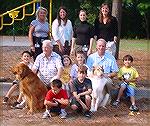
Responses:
[63,114]
[134,108]
[5,100]
[116,103]
[14,105]
[87,114]
[21,105]
[46,114]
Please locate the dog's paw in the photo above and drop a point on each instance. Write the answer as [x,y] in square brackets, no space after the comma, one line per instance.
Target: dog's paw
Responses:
[30,112]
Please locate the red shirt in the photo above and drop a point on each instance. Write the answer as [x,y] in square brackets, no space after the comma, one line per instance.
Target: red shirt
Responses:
[50,95]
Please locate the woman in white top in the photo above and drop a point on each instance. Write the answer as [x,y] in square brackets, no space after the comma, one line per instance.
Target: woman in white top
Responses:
[62,32]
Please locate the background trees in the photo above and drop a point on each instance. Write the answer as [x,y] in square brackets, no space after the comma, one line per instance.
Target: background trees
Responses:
[135,15]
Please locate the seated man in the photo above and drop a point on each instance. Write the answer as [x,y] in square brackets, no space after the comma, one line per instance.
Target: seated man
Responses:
[56,100]
[105,60]
[82,88]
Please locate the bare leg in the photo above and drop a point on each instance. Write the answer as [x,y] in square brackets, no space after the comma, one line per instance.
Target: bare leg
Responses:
[20,97]
[120,93]
[88,101]
[11,90]
[132,99]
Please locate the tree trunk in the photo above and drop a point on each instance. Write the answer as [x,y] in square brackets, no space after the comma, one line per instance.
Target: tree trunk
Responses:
[146,27]
[117,12]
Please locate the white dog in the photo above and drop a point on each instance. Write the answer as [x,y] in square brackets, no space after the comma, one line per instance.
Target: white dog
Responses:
[99,95]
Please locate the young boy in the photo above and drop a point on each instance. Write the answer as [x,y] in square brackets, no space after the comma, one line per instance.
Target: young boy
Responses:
[129,76]
[56,100]
[26,59]
[82,88]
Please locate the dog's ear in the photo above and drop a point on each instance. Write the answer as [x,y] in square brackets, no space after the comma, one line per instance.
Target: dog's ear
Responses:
[13,69]
[23,70]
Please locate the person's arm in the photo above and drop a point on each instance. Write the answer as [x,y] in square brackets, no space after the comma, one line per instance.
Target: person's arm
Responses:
[30,35]
[72,45]
[90,47]
[36,66]
[76,95]
[56,35]
[88,92]
[110,75]
[63,101]
[115,23]
[59,73]
[50,103]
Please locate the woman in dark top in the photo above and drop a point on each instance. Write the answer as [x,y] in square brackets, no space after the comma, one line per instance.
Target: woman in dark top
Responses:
[106,27]
[82,35]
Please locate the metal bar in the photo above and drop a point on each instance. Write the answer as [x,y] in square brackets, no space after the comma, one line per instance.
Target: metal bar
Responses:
[1,23]
[23,15]
[32,12]
[50,16]
[20,7]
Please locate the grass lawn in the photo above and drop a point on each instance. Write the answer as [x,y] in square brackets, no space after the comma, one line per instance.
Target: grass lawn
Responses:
[130,45]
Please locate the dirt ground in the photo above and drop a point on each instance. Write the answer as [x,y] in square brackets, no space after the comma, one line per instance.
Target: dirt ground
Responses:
[111,116]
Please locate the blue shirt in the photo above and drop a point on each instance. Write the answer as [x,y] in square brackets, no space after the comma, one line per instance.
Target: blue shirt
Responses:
[108,62]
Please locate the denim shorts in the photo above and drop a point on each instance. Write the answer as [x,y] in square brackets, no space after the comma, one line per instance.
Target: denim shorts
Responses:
[129,91]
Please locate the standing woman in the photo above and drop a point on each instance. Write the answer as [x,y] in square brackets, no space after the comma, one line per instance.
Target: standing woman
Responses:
[83,35]
[106,26]
[62,32]
[39,31]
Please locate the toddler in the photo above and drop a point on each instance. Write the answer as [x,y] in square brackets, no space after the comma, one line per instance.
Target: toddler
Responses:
[65,78]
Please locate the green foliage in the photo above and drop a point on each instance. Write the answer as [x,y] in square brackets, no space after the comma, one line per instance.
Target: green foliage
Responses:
[144,7]
[90,9]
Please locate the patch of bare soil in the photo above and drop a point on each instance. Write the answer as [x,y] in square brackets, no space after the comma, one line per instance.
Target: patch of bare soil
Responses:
[104,117]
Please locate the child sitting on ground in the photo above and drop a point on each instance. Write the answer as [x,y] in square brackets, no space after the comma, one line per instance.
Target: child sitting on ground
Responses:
[65,78]
[56,100]
[82,89]
[128,75]
[26,59]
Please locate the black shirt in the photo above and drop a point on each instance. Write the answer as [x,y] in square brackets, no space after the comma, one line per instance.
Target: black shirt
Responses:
[81,87]
[106,31]
[83,32]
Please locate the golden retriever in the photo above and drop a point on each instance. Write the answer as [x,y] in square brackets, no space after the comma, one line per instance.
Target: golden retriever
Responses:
[31,86]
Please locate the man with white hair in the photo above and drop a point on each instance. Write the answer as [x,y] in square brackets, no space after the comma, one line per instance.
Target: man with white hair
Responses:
[103,59]
[48,65]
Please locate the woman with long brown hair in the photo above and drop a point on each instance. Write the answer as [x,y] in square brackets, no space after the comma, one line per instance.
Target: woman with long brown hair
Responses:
[106,26]
[62,32]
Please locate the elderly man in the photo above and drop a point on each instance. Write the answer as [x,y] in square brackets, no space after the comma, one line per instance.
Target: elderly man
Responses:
[48,64]
[105,60]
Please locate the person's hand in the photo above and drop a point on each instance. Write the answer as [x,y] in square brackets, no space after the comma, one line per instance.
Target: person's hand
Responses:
[61,48]
[115,39]
[72,51]
[33,48]
[78,97]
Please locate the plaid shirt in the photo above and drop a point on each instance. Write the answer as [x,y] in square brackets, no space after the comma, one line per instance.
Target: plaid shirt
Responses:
[47,67]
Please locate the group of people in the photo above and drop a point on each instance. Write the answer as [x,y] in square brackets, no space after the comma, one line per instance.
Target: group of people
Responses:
[68,82]
[67,38]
